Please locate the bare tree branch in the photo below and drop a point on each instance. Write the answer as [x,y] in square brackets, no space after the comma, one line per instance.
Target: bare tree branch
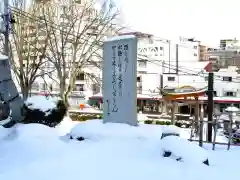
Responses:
[28,46]
[77,39]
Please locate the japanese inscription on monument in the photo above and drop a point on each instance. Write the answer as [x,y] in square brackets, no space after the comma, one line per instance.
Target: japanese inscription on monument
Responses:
[114,81]
[119,80]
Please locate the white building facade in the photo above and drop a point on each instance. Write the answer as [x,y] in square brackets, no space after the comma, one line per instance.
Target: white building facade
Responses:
[169,64]
[178,64]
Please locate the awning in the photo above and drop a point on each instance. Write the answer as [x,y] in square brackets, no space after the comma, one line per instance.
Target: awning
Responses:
[139,96]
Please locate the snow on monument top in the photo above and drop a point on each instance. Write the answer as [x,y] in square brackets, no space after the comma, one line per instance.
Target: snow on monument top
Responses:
[3,57]
[117,38]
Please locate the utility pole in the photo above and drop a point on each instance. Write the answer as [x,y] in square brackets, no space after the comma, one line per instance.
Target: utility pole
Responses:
[201,125]
[6,32]
[210,106]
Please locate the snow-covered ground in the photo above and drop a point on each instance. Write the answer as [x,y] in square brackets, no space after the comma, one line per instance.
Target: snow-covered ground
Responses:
[109,151]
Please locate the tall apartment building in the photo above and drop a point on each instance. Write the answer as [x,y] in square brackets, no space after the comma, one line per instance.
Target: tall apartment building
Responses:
[84,85]
[30,33]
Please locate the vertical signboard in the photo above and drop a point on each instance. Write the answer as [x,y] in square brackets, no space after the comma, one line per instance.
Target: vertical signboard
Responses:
[119,80]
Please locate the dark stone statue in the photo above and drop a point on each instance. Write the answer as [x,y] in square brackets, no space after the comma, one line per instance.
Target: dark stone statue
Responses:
[10,100]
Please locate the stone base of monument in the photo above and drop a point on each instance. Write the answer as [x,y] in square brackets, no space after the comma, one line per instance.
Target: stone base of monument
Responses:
[182,150]
[5,115]
[50,118]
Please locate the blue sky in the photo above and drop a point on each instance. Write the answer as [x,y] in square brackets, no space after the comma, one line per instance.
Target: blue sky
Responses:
[207,20]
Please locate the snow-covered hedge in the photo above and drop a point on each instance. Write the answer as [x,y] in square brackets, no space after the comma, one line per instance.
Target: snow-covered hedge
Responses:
[39,109]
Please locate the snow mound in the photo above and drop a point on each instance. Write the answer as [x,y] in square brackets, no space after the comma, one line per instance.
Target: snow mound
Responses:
[40,102]
[4,132]
[95,129]
[65,126]
[180,147]
[36,131]
[170,131]
[38,154]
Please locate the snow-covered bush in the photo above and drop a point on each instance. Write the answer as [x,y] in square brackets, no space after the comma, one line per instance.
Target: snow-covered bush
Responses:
[183,150]
[39,109]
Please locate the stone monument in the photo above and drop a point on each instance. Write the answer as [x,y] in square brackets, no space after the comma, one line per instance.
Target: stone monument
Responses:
[119,80]
[10,100]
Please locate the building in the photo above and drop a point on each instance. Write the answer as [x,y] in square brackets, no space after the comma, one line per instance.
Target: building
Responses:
[175,64]
[85,85]
[224,61]
[228,53]
[164,63]
[152,52]
[228,43]
[186,65]
[203,53]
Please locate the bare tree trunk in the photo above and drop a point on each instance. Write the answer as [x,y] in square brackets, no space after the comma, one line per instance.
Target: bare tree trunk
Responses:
[25,92]
[63,93]
[66,102]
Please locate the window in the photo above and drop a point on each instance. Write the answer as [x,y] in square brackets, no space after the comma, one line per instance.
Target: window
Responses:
[142,64]
[171,78]
[227,79]
[80,77]
[78,1]
[161,48]
[195,47]
[79,87]
[230,93]
[195,54]
[215,93]
[55,87]
[95,88]
[139,89]
[34,65]
[142,72]
[35,86]
[138,79]
[51,87]
[43,87]
[67,74]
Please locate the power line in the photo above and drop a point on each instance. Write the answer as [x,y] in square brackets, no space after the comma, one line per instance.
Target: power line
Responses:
[187,71]
[173,67]
[51,24]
